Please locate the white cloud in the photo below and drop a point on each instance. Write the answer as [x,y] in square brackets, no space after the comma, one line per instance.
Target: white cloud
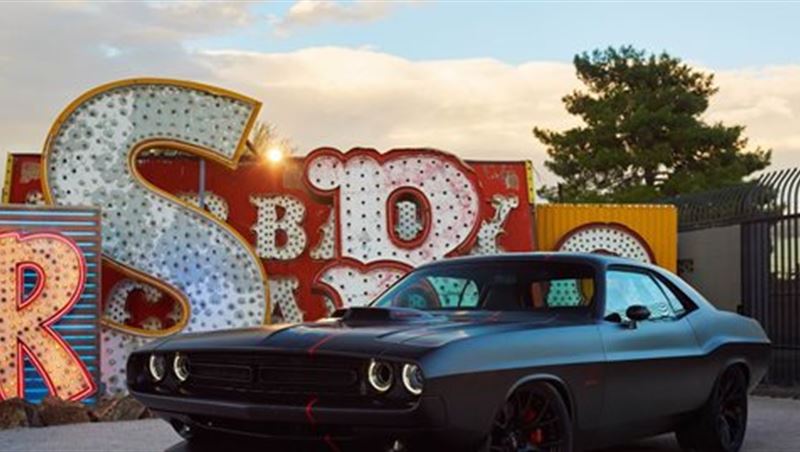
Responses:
[51,53]
[476,108]
[766,101]
[306,13]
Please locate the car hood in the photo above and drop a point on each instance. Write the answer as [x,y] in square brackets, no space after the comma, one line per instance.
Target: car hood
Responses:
[363,331]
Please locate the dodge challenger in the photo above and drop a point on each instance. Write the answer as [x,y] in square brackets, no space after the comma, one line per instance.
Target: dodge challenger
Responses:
[513,352]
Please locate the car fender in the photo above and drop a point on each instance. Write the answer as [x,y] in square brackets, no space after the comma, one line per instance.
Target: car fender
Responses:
[561,386]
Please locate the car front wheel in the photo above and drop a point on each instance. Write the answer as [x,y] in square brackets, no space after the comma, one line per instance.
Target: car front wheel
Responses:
[720,425]
[534,419]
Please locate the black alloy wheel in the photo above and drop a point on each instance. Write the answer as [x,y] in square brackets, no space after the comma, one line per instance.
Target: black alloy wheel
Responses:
[721,424]
[533,419]
[732,410]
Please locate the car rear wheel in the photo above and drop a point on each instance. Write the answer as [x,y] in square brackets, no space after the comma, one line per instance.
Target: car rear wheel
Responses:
[533,419]
[720,425]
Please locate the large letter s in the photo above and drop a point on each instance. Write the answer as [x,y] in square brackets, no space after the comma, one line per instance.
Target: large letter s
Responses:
[90,158]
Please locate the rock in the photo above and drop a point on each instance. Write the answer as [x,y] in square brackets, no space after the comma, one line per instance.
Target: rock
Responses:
[34,419]
[120,409]
[54,411]
[16,413]
[784,392]
[102,405]
[147,414]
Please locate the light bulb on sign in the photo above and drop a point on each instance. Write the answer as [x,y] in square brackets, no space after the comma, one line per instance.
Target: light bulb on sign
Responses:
[274,155]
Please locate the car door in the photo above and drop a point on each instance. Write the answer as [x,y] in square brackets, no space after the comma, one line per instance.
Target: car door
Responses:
[647,364]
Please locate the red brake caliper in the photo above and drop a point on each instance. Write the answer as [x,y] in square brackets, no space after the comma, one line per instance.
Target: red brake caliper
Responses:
[535,436]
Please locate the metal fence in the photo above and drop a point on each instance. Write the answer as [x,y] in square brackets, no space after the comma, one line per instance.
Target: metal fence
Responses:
[768,211]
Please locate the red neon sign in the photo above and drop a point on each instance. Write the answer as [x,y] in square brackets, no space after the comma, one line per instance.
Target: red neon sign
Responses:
[26,321]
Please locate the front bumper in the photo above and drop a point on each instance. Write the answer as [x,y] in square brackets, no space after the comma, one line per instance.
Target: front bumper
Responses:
[293,422]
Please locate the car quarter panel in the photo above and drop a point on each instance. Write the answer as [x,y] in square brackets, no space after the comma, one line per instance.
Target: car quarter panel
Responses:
[728,338]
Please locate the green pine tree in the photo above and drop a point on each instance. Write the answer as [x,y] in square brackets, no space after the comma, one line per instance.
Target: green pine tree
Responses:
[643,136]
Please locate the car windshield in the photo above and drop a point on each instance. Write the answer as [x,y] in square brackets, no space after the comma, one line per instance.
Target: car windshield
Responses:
[495,286]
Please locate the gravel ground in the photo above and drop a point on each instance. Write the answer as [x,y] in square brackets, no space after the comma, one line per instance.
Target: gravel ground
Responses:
[773,427]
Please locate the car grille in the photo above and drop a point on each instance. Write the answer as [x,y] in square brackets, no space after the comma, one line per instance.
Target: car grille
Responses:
[277,378]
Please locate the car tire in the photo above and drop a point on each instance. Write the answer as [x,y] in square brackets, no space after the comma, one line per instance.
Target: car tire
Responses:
[535,417]
[721,424]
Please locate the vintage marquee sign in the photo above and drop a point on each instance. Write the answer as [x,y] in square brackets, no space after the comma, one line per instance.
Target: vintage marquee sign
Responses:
[50,305]
[645,233]
[297,234]
[290,241]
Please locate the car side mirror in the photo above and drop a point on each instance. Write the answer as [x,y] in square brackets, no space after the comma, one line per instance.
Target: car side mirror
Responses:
[636,313]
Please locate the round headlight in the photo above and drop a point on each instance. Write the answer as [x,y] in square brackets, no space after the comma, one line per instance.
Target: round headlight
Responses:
[157,366]
[380,375]
[413,379]
[180,365]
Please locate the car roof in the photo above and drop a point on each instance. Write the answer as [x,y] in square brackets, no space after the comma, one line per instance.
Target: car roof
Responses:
[596,260]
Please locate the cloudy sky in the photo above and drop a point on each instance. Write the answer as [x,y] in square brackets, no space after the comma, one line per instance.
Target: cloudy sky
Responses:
[471,78]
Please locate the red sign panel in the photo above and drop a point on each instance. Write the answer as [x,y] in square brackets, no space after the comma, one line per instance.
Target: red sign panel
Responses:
[332,228]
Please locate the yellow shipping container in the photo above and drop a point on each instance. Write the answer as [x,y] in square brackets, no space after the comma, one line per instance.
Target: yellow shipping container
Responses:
[639,231]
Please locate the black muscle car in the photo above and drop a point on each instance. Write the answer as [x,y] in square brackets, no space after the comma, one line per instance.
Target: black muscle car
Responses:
[516,352]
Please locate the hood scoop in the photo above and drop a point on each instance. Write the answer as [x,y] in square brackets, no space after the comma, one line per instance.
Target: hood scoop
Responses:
[380,315]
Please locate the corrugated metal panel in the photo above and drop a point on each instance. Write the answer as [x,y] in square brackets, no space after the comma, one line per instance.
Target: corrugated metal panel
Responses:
[80,326]
[657,225]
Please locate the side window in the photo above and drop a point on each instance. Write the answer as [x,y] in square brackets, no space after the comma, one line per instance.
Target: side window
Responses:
[627,288]
[672,299]
[562,293]
[455,293]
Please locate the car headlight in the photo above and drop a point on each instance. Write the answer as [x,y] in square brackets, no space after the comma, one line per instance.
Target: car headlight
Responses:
[380,375]
[413,379]
[157,366]
[180,365]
